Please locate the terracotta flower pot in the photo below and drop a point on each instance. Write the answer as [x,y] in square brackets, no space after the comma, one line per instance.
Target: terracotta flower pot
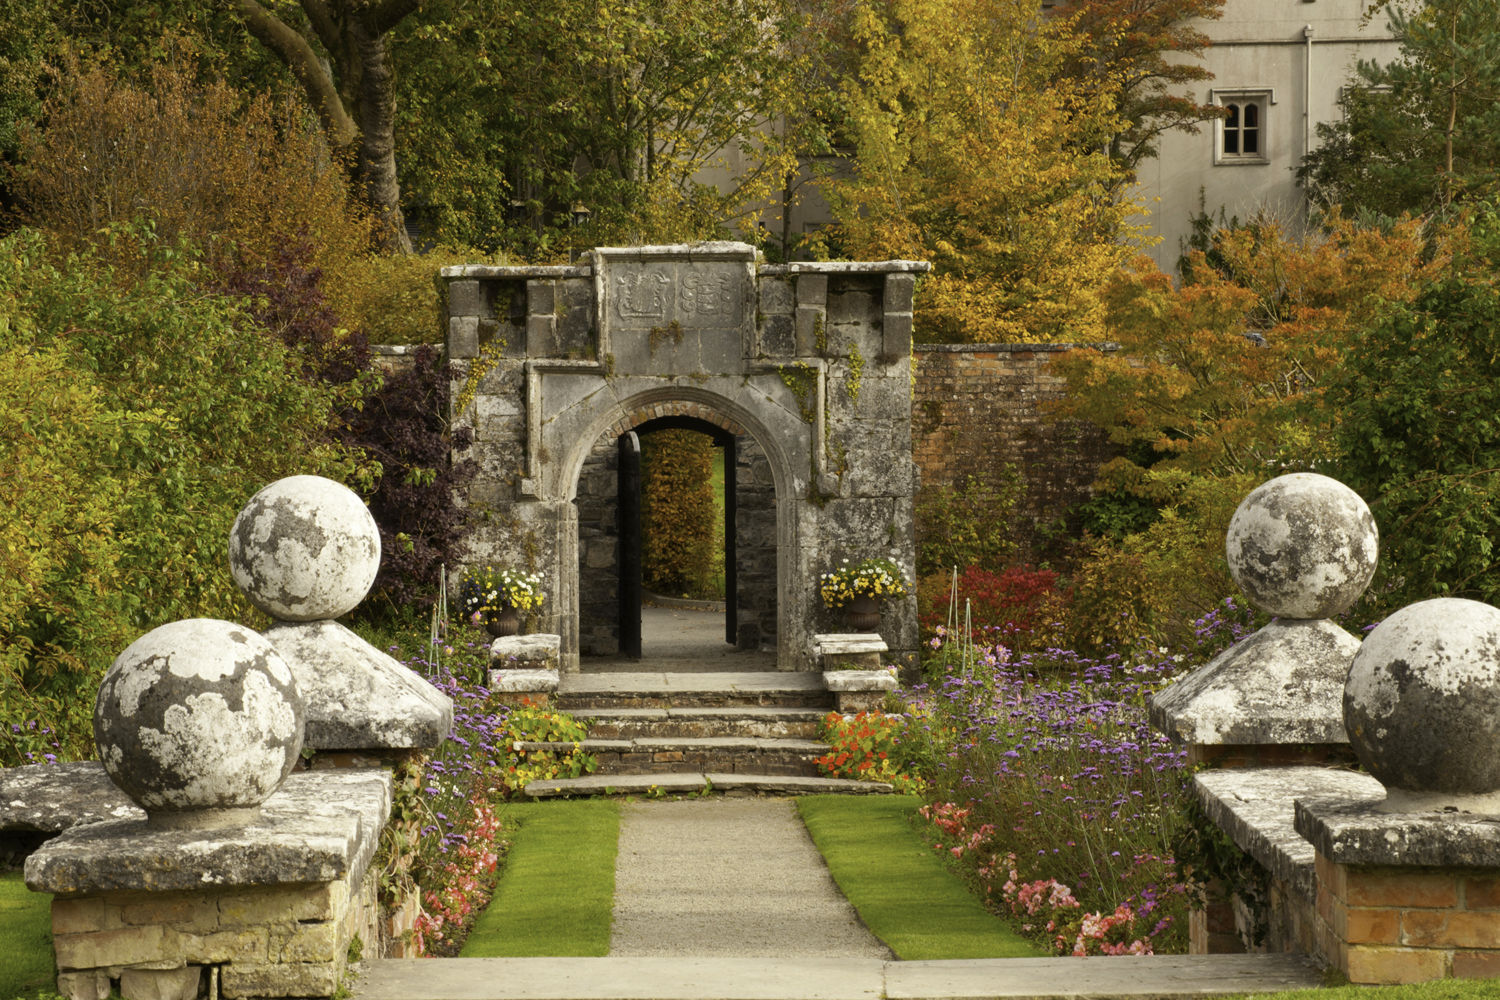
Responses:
[863,614]
[507,622]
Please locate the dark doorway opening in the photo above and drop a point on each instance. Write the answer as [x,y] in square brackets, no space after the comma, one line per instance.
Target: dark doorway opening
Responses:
[630,561]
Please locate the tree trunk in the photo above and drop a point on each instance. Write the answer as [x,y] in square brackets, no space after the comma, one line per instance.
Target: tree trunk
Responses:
[377,139]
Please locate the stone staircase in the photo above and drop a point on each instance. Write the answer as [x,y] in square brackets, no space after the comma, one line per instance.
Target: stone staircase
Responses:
[687,732]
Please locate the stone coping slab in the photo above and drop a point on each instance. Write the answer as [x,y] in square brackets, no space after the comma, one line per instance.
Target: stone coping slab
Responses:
[1356,832]
[685,784]
[1164,977]
[860,680]
[525,681]
[532,652]
[1255,807]
[665,683]
[51,798]
[848,644]
[319,826]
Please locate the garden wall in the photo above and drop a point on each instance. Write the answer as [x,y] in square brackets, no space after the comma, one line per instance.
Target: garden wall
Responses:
[977,407]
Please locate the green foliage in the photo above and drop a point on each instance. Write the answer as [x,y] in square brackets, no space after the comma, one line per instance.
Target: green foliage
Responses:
[139,414]
[1212,859]
[1419,437]
[1421,131]
[969,524]
[557,892]
[682,545]
[898,885]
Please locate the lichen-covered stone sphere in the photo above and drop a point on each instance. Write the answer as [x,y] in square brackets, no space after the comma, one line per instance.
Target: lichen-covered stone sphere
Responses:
[199,715]
[1302,546]
[305,548]
[1422,702]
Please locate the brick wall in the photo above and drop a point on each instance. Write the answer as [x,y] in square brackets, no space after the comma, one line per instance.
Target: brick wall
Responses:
[978,407]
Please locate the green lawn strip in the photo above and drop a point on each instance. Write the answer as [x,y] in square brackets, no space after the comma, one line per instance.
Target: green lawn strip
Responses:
[26,967]
[556,893]
[899,886]
[1442,989]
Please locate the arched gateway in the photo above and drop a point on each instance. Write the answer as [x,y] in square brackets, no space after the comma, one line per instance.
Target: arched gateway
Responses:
[803,371]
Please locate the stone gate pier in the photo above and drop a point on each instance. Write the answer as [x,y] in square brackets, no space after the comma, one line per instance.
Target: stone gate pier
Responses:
[805,369]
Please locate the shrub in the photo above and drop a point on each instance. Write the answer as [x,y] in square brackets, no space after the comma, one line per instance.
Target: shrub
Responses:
[204,163]
[969,524]
[1019,606]
[141,412]
[404,426]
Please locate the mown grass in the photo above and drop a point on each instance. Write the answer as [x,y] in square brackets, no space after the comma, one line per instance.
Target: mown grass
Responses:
[898,885]
[26,968]
[556,893]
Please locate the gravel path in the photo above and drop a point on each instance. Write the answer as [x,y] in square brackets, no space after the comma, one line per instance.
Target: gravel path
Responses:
[728,877]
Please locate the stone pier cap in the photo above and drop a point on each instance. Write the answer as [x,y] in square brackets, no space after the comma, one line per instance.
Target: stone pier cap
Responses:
[318,827]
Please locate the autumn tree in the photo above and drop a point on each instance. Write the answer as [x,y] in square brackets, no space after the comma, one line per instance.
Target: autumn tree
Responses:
[974,151]
[1225,374]
[1133,51]
[1422,130]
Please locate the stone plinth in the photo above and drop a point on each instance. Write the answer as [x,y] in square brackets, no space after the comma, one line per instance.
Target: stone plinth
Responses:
[526,652]
[1404,897]
[1255,807]
[860,690]
[541,683]
[274,905]
[849,650]
[359,698]
[1283,685]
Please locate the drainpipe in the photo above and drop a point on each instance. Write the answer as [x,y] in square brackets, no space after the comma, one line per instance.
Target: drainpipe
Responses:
[1307,62]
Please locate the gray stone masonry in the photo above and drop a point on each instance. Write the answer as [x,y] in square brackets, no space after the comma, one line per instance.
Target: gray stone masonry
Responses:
[807,366]
[849,651]
[691,783]
[1255,806]
[267,910]
[51,798]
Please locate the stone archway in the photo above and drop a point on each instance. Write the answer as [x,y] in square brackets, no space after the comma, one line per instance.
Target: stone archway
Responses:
[810,361]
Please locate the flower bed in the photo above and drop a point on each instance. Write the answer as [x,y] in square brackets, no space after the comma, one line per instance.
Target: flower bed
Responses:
[1051,794]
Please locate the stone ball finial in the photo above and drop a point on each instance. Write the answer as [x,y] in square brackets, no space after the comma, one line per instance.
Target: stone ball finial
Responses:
[199,721]
[1422,706]
[1302,546]
[304,549]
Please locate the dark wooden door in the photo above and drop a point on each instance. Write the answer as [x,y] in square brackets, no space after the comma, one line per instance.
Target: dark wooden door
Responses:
[630,544]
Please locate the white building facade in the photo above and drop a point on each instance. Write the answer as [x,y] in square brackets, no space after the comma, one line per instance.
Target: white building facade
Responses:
[1279,68]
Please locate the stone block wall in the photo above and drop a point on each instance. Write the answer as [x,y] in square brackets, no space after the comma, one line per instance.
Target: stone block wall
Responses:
[1404,924]
[270,941]
[977,407]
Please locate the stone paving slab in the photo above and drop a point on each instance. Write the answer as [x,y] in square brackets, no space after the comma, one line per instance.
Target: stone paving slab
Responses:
[1160,977]
[1100,977]
[669,743]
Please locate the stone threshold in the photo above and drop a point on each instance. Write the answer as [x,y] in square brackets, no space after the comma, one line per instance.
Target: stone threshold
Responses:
[690,784]
[726,713]
[1160,977]
[766,682]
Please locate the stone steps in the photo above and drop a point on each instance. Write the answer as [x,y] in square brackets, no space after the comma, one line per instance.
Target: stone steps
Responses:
[582,693]
[704,723]
[679,755]
[689,784]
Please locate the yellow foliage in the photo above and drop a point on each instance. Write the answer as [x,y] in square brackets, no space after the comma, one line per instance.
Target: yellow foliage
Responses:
[678,513]
[975,152]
